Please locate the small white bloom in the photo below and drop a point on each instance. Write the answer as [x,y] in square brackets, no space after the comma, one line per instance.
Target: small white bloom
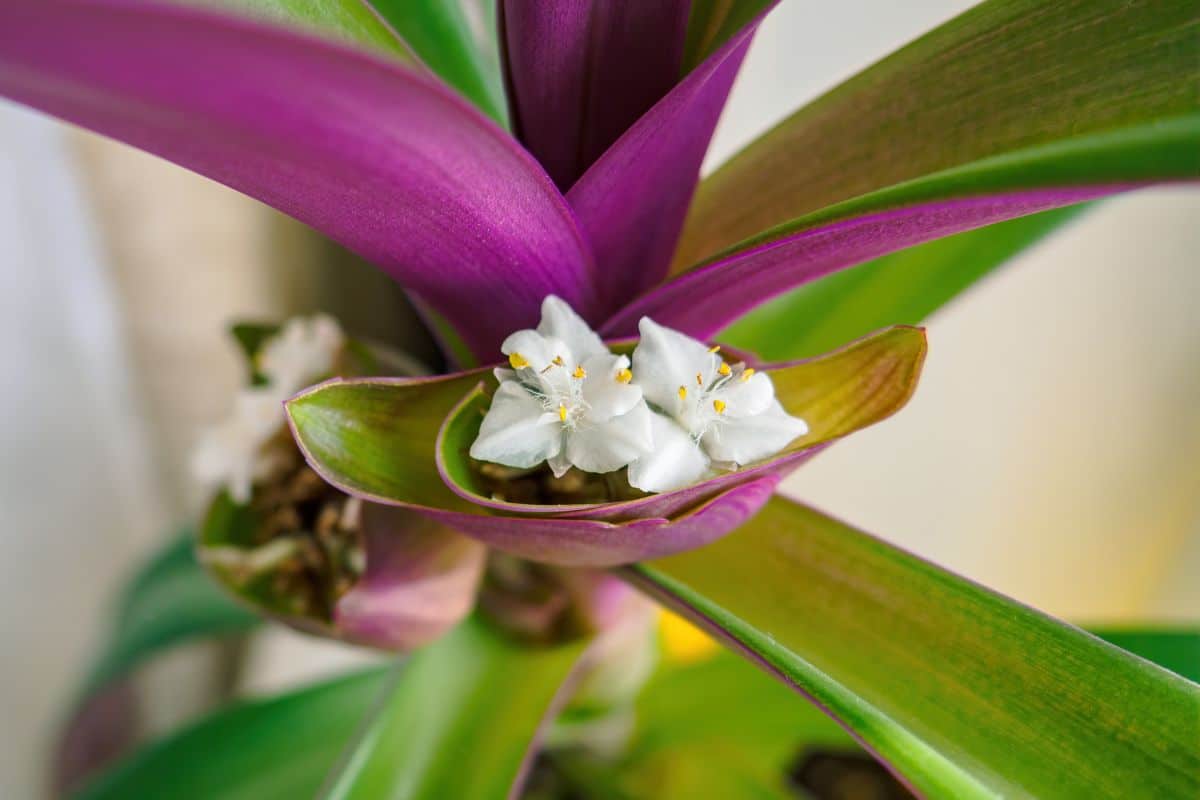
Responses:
[567,400]
[710,411]
[234,453]
[305,349]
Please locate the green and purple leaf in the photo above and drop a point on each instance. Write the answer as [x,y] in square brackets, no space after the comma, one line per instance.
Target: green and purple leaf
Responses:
[964,692]
[380,439]
[1010,109]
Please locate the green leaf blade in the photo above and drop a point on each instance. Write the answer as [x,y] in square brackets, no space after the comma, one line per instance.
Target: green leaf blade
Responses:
[965,692]
[460,720]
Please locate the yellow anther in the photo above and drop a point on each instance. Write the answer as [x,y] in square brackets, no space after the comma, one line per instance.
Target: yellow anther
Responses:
[625,376]
[724,369]
[699,379]
[518,361]
[562,413]
[719,405]
[579,373]
[716,348]
[747,374]
[683,393]
[558,360]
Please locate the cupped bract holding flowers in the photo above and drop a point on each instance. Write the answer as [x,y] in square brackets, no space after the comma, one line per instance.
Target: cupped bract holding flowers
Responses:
[569,401]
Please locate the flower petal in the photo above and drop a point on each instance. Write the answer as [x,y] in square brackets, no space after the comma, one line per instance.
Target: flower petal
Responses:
[674,462]
[535,347]
[744,440]
[746,398]
[378,156]
[420,581]
[664,360]
[606,395]
[582,71]
[559,321]
[650,173]
[610,445]
[515,431]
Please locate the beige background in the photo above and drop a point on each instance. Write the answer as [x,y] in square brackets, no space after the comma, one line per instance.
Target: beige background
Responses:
[1052,451]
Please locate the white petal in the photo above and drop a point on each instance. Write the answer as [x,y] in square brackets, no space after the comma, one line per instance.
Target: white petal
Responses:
[664,360]
[516,431]
[304,351]
[746,398]
[674,462]
[744,440]
[535,348]
[559,321]
[606,396]
[610,445]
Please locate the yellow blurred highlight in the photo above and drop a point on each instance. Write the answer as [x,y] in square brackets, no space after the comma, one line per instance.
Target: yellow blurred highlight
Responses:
[683,642]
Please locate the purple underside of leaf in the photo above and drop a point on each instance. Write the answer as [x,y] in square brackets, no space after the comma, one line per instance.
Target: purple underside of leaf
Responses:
[381,158]
[704,300]
[420,581]
[631,203]
[580,72]
[593,543]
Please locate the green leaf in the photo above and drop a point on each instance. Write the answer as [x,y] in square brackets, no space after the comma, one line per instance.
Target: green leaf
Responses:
[264,749]
[460,721]
[1012,95]
[1176,649]
[378,437]
[965,692]
[903,287]
[348,21]
[440,33]
[738,742]
[170,601]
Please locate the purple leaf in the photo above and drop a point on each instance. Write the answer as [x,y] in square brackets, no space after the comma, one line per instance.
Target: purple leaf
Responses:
[380,157]
[631,203]
[703,301]
[420,581]
[580,72]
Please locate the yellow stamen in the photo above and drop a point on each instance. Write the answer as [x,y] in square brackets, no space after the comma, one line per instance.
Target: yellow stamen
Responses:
[518,361]
[724,369]
[719,405]
[683,393]
[579,373]
[562,413]
[625,376]
[747,374]
[699,379]
[558,360]
[716,348]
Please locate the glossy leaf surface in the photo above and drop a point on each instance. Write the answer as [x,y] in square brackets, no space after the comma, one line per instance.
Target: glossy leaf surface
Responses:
[1005,77]
[964,692]
[459,720]
[904,287]
[277,748]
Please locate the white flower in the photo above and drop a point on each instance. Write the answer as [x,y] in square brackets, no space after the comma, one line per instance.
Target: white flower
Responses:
[304,350]
[567,400]
[710,411]
[234,454]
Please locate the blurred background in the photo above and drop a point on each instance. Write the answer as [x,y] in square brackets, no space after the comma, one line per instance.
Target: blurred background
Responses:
[1052,451]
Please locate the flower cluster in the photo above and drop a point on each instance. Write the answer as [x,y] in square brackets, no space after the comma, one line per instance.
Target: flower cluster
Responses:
[235,453]
[676,413]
